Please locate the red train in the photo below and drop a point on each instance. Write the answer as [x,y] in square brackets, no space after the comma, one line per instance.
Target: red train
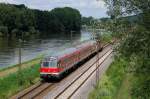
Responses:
[55,66]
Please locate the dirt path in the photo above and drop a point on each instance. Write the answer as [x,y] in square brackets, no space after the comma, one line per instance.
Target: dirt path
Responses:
[125,89]
[13,69]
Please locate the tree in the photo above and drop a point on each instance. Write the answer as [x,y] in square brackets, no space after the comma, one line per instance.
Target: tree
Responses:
[20,19]
[4,30]
[136,44]
[69,17]
[87,20]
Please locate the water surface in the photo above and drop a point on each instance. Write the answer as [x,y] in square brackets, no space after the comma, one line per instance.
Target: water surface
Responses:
[37,47]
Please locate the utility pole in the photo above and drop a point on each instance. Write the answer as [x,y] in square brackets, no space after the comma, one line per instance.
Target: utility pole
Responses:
[97,57]
[96,38]
[71,37]
[20,42]
[20,81]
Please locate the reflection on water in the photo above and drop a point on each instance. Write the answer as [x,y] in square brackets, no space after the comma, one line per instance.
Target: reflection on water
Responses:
[33,48]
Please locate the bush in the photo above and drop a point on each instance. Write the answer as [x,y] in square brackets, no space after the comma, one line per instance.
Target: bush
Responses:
[103,90]
[106,37]
[4,30]
[109,84]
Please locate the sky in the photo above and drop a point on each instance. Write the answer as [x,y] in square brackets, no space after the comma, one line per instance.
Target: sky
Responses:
[94,8]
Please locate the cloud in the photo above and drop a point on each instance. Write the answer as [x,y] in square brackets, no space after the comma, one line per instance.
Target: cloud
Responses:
[86,7]
[8,1]
[98,4]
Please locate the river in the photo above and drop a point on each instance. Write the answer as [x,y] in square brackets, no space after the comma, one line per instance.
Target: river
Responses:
[37,47]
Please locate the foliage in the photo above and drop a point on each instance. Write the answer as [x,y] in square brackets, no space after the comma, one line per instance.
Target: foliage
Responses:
[3,29]
[109,84]
[106,37]
[141,89]
[87,20]
[104,89]
[135,45]
[10,84]
[101,23]
[69,18]
[18,19]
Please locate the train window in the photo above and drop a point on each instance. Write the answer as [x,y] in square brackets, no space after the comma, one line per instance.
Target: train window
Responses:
[45,64]
[53,63]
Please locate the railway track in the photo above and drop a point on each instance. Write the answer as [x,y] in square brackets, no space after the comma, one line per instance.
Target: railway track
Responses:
[33,91]
[37,90]
[69,90]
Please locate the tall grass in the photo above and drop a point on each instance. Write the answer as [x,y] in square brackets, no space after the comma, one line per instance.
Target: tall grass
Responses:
[24,63]
[106,37]
[15,82]
[111,81]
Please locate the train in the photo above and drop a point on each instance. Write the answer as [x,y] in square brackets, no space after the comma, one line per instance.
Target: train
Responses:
[55,66]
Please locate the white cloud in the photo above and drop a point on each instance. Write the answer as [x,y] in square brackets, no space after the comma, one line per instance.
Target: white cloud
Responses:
[82,4]
[8,1]
[86,7]
[74,3]
[89,3]
[98,4]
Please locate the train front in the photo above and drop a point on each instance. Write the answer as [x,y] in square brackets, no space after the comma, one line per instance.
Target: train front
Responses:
[49,68]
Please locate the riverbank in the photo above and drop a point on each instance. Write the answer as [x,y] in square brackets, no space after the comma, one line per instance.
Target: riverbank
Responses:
[15,82]
[9,70]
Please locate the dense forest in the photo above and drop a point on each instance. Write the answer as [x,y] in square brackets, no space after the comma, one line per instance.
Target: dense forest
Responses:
[18,20]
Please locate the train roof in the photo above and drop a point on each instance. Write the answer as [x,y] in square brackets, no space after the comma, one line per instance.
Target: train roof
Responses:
[66,51]
[86,43]
[69,50]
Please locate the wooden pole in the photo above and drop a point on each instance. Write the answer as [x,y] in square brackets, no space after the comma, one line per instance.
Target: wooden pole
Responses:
[20,41]
[97,53]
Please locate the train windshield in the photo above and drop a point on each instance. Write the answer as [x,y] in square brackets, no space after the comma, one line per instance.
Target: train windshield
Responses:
[45,64]
[51,63]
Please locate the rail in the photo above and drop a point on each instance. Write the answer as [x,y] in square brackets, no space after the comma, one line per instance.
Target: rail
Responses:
[37,89]
[71,92]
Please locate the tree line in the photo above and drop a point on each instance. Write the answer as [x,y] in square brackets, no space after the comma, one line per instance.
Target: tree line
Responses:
[18,20]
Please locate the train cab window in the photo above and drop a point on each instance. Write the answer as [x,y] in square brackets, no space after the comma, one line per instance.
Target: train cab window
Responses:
[53,63]
[45,64]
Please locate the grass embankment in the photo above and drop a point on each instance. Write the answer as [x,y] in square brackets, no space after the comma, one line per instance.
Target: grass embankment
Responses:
[110,85]
[124,91]
[106,37]
[13,69]
[14,82]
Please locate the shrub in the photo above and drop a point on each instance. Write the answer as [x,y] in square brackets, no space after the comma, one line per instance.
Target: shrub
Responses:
[111,81]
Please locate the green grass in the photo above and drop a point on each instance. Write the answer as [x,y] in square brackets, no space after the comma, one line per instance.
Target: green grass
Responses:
[107,37]
[109,84]
[15,82]
[125,90]
[13,66]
